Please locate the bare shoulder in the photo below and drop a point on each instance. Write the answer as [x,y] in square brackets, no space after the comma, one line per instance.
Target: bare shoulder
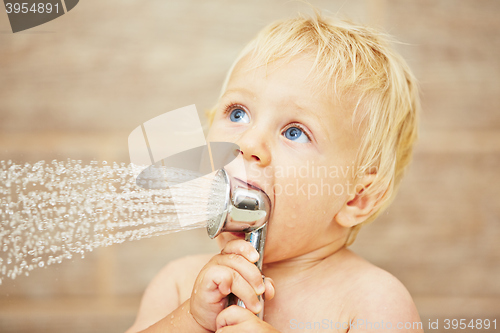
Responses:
[380,299]
[168,289]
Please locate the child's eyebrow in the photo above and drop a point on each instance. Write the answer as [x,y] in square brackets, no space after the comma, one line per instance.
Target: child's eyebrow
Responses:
[242,91]
[306,109]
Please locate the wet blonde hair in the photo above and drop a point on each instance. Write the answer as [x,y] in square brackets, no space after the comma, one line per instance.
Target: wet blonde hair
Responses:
[353,61]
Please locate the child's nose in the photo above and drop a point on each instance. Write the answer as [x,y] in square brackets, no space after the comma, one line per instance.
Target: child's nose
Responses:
[254,146]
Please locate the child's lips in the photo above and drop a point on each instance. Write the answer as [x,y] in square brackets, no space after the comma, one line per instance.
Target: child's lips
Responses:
[238,234]
[255,185]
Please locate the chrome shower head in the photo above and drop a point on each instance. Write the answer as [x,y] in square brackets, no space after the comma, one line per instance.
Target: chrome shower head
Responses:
[240,207]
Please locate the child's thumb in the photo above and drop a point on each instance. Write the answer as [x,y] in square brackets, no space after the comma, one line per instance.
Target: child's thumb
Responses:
[269,293]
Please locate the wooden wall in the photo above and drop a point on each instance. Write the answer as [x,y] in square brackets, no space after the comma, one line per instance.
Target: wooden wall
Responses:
[76,87]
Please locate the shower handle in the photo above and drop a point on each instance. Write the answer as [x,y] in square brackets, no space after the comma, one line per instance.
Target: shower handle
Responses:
[257,238]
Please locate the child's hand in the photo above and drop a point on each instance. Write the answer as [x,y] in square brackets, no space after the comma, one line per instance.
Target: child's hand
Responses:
[231,271]
[236,319]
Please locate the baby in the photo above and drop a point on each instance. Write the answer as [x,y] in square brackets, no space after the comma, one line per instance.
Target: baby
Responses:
[325,116]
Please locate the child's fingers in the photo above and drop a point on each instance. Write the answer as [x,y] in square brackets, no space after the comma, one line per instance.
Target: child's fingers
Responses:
[269,294]
[221,277]
[243,248]
[237,249]
[246,293]
[233,315]
[229,281]
[247,270]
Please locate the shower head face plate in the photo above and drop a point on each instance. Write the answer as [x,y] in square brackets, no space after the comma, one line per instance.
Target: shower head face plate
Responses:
[218,203]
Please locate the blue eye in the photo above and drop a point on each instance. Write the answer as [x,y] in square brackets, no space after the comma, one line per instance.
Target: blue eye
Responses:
[239,116]
[296,134]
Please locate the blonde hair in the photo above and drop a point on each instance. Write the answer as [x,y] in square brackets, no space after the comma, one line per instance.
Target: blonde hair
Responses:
[358,61]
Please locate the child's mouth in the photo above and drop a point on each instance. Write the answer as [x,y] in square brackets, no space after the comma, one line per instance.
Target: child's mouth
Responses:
[251,184]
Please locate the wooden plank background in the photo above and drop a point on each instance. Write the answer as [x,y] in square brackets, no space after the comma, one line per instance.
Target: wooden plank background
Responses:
[76,87]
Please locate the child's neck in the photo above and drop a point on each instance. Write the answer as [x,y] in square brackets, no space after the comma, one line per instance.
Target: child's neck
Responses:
[303,265]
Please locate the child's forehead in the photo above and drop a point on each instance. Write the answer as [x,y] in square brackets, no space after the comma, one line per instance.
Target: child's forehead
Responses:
[302,64]
[297,73]
[283,84]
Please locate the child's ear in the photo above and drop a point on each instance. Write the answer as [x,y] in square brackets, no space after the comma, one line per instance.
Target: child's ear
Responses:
[359,205]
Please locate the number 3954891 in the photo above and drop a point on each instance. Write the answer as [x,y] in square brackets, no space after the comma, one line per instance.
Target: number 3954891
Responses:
[472,324]
[36,8]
